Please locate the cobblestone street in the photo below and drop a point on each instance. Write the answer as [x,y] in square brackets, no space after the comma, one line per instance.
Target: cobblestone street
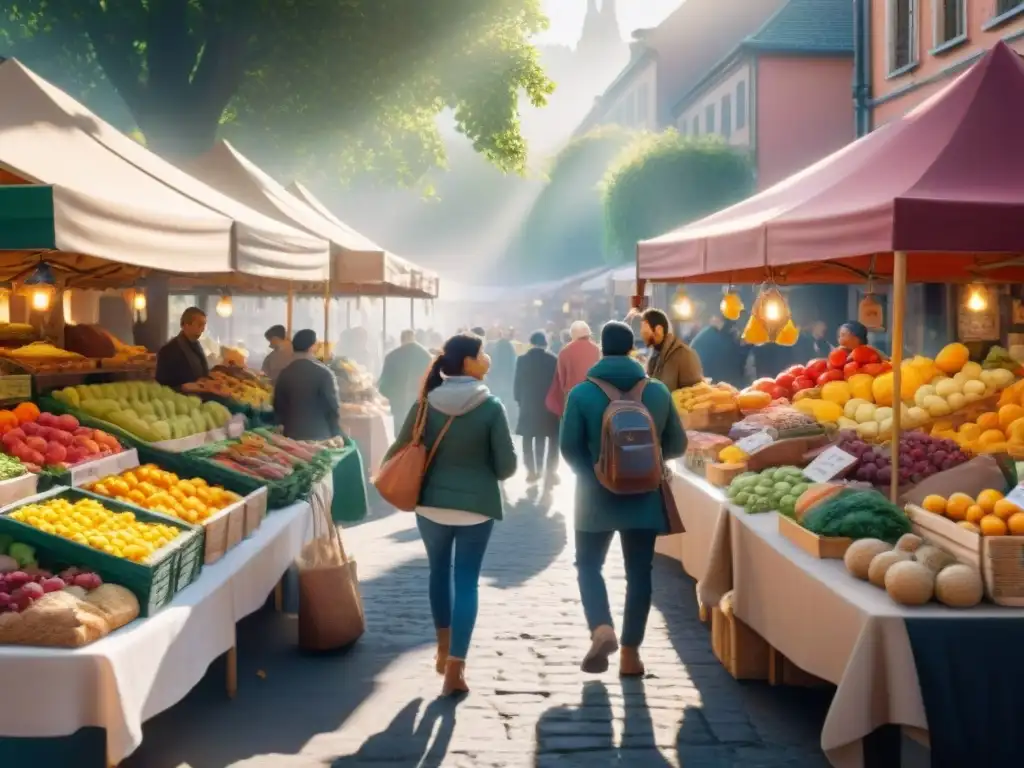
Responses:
[530,705]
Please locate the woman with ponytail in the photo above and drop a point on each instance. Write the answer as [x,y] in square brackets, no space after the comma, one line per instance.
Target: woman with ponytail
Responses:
[468,435]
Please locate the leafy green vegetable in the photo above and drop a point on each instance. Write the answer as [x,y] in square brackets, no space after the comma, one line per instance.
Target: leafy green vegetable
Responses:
[858,515]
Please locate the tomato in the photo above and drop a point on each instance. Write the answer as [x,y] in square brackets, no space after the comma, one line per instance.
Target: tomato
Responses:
[796,371]
[837,357]
[802,383]
[886,366]
[779,393]
[828,376]
[866,355]
[785,380]
[764,385]
[850,369]
[816,367]
[874,369]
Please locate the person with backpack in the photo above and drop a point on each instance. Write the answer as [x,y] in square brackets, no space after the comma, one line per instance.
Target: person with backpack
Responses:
[618,429]
[468,444]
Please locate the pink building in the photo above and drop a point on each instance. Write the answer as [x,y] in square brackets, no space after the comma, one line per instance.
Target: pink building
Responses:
[784,91]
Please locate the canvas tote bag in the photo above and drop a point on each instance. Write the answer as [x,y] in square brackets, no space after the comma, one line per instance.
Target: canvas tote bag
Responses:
[400,478]
[330,604]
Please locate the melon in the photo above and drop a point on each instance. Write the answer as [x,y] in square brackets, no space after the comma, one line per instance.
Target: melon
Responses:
[910,542]
[860,554]
[910,583]
[882,562]
[933,558]
[952,358]
[959,586]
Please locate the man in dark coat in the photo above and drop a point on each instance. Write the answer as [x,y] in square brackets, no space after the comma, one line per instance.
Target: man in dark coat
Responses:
[182,360]
[306,400]
[503,369]
[404,369]
[537,425]
[719,351]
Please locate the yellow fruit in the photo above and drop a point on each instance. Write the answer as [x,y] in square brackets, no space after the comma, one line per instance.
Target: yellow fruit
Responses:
[974,514]
[1009,414]
[1016,524]
[987,500]
[952,358]
[970,431]
[988,421]
[934,503]
[910,382]
[1004,508]
[990,436]
[991,525]
[860,386]
[732,455]
[957,506]
[837,392]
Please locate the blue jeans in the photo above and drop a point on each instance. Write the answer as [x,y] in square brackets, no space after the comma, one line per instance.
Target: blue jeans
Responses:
[638,554]
[469,543]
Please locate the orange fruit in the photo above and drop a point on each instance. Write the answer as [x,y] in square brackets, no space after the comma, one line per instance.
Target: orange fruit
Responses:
[992,526]
[987,499]
[1016,524]
[970,431]
[957,506]
[1005,509]
[988,421]
[974,513]
[992,437]
[969,526]
[1009,414]
[934,503]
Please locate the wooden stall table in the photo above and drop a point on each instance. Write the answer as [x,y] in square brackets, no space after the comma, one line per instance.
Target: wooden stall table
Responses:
[372,433]
[843,630]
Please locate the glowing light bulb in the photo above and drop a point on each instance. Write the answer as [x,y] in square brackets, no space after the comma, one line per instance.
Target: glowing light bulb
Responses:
[139,301]
[224,307]
[977,301]
[40,300]
[684,308]
[772,310]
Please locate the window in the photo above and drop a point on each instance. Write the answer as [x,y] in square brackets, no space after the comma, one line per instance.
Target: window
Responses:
[727,115]
[950,21]
[696,125]
[902,34]
[741,105]
[709,118]
[1005,6]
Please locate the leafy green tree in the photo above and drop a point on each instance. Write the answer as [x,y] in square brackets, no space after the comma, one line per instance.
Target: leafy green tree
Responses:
[663,181]
[342,84]
[562,234]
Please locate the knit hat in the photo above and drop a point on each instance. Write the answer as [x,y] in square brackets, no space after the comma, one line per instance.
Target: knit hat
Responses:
[616,339]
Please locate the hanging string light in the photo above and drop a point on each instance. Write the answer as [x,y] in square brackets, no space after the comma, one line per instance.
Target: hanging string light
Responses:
[224,306]
[42,287]
[977,298]
[138,304]
[682,305]
[770,319]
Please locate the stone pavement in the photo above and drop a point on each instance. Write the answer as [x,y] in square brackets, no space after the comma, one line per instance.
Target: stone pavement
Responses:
[375,706]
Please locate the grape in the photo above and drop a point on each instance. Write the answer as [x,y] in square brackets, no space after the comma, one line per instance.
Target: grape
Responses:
[16,579]
[53,584]
[33,590]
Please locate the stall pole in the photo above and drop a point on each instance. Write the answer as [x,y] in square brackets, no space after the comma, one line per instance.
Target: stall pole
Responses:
[412,314]
[348,314]
[384,325]
[899,299]
[327,319]
[290,309]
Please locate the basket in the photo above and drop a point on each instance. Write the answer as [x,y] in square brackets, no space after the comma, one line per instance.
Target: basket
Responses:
[154,583]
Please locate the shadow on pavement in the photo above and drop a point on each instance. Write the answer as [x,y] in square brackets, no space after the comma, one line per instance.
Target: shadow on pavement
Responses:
[406,742]
[286,697]
[525,543]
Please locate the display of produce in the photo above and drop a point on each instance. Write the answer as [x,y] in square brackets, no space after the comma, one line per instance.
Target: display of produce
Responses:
[356,388]
[265,455]
[17,334]
[236,384]
[997,431]
[915,572]
[999,357]
[852,513]
[717,398]
[145,409]
[41,439]
[22,585]
[989,513]
[783,421]
[89,523]
[703,448]
[41,356]
[192,500]
[920,456]
[10,467]
[777,488]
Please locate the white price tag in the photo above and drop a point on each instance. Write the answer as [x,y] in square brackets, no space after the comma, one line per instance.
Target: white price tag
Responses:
[829,464]
[1016,496]
[236,426]
[755,442]
[90,471]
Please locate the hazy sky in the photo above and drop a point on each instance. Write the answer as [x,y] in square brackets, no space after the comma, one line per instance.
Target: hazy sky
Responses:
[567,17]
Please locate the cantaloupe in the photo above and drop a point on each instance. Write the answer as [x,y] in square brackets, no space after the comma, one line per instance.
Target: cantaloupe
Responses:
[910,583]
[910,542]
[882,562]
[933,558]
[959,586]
[860,554]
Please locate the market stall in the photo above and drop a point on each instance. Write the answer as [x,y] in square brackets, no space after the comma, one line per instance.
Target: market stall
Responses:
[932,197]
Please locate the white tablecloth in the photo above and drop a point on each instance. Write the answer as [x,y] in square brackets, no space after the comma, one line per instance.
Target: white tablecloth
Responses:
[149,666]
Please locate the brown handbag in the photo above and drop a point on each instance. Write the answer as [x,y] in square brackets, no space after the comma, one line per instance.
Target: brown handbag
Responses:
[400,479]
[673,520]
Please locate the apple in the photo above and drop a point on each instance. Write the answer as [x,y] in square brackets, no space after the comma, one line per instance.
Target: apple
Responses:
[873,369]
[785,380]
[796,371]
[850,369]
[31,428]
[828,376]
[866,355]
[46,420]
[838,357]
[55,453]
[779,393]
[67,422]
[763,385]
[802,383]
[816,367]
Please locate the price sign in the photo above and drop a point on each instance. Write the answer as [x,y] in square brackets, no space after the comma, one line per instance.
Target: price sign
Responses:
[15,387]
[829,465]
[90,471]
[1016,496]
[755,442]
[236,426]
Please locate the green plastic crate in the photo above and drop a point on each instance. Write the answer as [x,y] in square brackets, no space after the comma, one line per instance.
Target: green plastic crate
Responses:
[154,583]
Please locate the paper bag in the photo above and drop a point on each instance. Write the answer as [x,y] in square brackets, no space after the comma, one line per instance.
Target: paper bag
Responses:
[330,604]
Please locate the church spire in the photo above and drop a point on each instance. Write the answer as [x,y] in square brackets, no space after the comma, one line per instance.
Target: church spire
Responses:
[592,34]
[610,16]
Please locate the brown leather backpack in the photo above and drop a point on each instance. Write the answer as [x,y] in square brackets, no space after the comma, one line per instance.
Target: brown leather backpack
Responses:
[630,461]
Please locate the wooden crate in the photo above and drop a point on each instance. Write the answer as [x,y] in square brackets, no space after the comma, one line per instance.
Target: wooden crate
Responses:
[707,420]
[821,547]
[742,651]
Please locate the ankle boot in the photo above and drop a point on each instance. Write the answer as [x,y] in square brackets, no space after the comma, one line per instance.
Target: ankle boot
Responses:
[603,644]
[630,664]
[441,659]
[454,678]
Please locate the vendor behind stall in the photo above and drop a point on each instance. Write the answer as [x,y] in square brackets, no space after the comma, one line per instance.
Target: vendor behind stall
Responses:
[280,352]
[852,335]
[306,398]
[182,360]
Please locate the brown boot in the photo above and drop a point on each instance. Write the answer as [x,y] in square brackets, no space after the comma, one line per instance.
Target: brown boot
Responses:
[454,678]
[603,644]
[441,659]
[629,663]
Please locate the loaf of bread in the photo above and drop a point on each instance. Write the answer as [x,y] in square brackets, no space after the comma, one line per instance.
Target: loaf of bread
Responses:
[65,620]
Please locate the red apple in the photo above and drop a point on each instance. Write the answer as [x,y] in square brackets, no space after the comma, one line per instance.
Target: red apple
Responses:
[763,385]
[850,369]
[779,393]
[785,380]
[31,428]
[36,443]
[838,357]
[55,453]
[796,371]
[802,383]
[816,367]
[828,376]
[866,355]
[46,420]
[67,422]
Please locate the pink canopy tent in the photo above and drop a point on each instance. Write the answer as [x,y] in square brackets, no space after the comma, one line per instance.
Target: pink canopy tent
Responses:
[943,184]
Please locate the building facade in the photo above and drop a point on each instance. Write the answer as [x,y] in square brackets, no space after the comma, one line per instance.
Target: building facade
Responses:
[783,91]
[907,50]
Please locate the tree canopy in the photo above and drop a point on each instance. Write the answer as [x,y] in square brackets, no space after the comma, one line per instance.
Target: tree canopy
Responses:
[563,232]
[663,181]
[347,85]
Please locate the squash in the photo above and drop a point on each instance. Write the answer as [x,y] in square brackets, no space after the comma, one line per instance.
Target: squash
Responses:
[910,583]
[812,497]
[959,586]
[753,400]
[861,554]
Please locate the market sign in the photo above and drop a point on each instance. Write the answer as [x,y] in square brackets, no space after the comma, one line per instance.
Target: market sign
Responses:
[829,465]
[15,387]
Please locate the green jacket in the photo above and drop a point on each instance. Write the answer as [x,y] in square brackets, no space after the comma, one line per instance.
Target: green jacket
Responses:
[476,454]
[598,509]
[404,369]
